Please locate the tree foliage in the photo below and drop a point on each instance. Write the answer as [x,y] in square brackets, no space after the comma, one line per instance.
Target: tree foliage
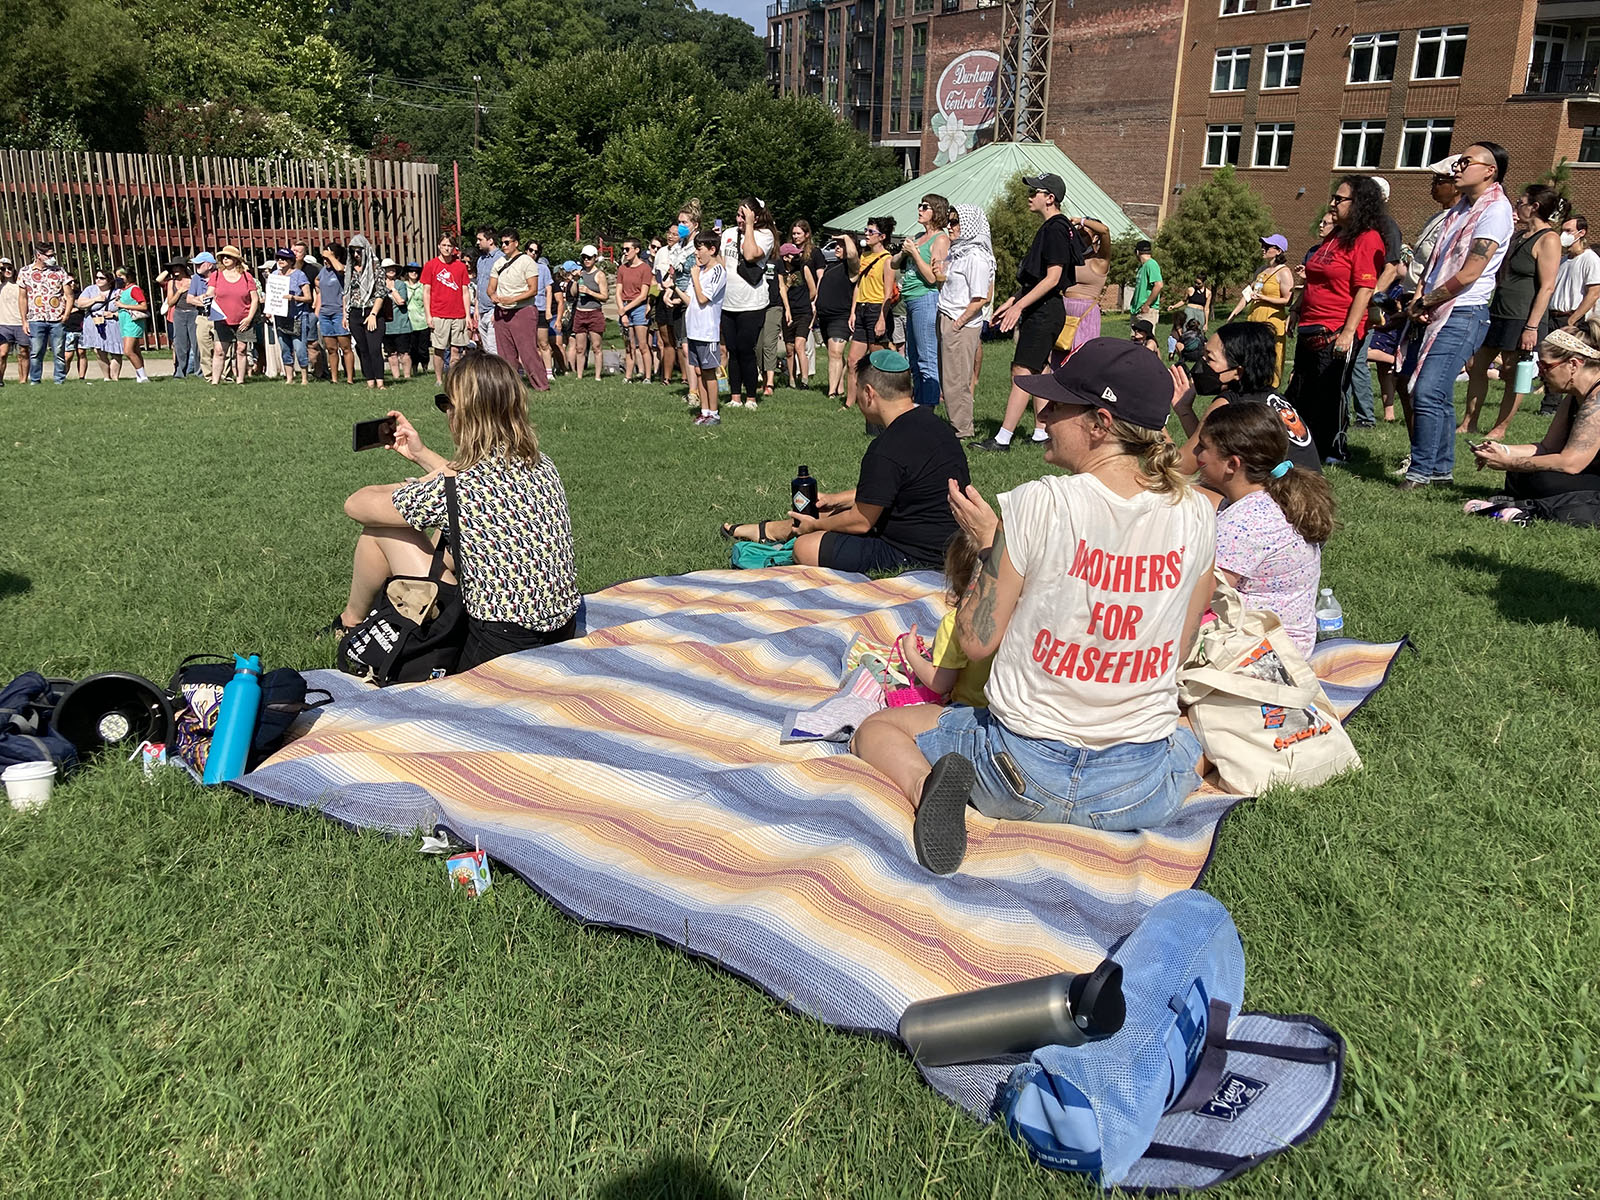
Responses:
[1216,232]
[1012,225]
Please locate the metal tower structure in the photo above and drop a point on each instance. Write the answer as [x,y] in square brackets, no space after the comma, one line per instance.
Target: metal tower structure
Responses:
[1025,27]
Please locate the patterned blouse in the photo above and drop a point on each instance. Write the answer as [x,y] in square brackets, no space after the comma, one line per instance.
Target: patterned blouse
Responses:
[516,558]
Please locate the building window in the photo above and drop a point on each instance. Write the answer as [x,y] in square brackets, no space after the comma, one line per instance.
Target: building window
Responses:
[896,82]
[1425,141]
[1589,148]
[1360,145]
[894,119]
[1441,52]
[1290,3]
[1233,8]
[916,121]
[1372,57]
[1545,57]
[899,8]
[1222,145]
[1231,72]
[1274,144]
[1284,61]
[899,42]
[919,39]
[918,81]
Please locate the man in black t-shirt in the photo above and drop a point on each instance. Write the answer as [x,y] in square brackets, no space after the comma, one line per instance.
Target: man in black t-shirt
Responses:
[898,514]
[1035,309]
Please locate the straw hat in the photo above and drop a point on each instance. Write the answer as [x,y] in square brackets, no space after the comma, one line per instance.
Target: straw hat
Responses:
[231,251]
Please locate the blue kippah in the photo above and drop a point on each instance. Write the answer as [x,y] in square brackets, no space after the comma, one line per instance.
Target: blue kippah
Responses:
[888,360]
[1282,469]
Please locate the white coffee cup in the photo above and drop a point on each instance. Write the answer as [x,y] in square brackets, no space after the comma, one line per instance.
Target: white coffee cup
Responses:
[29,784]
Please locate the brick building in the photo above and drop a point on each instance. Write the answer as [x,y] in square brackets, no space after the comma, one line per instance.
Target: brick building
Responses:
[1296,93]
[1150,96]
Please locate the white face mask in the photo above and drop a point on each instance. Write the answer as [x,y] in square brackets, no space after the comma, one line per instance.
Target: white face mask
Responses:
[1568,238]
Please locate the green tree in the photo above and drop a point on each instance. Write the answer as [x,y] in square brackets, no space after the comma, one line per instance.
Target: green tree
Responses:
[1011,228]
[1216,232]
[1560,178]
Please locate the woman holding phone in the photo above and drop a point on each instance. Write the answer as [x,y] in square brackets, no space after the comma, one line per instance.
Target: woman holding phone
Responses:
[517,574]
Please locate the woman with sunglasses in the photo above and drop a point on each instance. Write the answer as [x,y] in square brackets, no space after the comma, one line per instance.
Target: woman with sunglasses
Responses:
[133,321]
[101,332]
[921,260]
[516,565]
[233,291]
[871,303]
[1340,276]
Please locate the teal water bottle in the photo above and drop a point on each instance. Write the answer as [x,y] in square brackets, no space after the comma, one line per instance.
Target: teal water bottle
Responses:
[1523,382]
[236,722]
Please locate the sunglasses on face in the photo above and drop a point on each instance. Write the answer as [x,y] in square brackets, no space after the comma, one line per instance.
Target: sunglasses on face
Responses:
[923,205]
[873,233]
[443,403]
[508,241]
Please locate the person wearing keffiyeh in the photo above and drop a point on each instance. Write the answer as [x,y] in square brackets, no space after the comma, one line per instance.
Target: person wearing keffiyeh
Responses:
[964,298]
[1450,315]
[364,301]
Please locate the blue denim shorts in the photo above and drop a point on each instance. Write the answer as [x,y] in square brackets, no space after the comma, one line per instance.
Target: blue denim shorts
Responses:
[332,326]
[1136,785]
[638,315]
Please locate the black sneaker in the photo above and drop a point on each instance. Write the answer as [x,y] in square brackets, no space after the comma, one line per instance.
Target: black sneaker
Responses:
[989,444]
[939,832]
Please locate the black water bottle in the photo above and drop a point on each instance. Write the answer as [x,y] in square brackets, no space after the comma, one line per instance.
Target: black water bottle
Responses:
[803,491]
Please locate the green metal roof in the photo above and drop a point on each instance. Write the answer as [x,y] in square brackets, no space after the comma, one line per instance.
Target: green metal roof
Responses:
[981,175]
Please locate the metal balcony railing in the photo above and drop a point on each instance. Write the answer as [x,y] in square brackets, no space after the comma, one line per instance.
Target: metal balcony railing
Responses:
[1562,79]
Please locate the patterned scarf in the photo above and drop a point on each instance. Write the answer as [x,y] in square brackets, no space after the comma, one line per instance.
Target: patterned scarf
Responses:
[974,241]
[1449,254]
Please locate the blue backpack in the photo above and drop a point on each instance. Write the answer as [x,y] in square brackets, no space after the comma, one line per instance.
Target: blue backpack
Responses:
[25,734]
[1189,1092]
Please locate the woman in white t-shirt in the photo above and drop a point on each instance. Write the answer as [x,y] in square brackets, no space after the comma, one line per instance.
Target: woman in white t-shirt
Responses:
[1275,517]
[747,251]
[1092,588]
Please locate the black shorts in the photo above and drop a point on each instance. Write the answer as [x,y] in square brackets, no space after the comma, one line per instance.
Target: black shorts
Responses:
[1505,333]
[834,327]
[489,640]
[799,329]
[1037,332]
[421,344]
[397,343]
[853,552]
[865,329]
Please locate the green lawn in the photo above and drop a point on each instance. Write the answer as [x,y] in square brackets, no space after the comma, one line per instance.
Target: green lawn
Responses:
[201,995]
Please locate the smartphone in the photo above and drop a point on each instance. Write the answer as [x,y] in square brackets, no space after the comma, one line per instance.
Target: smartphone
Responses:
[369,435]
[717,225]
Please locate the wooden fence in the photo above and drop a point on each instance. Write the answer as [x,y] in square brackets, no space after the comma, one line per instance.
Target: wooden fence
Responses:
[145,211]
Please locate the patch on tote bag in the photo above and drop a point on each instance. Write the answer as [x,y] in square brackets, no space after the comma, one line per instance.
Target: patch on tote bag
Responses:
[1234,1094]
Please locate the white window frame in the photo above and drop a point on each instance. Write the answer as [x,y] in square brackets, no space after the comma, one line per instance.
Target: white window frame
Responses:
[1584,140]
[1285,52]
[1375,42]
[1281,135]
[1446,35]
[1224,133]
[1365,132]
[1276,4]
[1237,8]
[1431,127]
[1237,62]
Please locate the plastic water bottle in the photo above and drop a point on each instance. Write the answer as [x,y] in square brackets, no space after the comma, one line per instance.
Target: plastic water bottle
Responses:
[1330,615]
[236,722]
[803,491]
[1016,1018]
[1522,384]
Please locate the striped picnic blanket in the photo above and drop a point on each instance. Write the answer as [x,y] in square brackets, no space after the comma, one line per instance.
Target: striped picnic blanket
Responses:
[635,777]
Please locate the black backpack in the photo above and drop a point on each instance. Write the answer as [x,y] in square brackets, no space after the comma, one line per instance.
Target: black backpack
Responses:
[196,690]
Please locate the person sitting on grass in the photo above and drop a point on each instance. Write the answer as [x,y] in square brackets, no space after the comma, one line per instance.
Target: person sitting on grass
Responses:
[1275,516]
[1568,458]
[947,669]
[1091,590]
[518,580]
[898,515]
[1237,368]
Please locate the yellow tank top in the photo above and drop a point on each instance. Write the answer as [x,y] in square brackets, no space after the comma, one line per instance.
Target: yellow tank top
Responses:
[869,287]
[1266,284]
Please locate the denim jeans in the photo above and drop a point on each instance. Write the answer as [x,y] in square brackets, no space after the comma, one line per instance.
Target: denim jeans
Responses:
[1361,405]
[922,347]
[185,358]
[1136,785]
[1433,393]
[55,333]
[486,330]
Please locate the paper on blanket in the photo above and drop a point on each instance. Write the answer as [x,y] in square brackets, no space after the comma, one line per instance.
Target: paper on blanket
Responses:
[840,715]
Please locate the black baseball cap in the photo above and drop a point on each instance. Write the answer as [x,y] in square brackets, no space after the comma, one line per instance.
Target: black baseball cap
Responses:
[1047,183]
[1110,373]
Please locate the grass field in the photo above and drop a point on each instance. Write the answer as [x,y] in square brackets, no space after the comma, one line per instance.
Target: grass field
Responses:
[205,996]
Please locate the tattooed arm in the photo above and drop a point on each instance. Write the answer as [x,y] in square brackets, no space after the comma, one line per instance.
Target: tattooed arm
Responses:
[1478,256]
[1566,448]
[991,598]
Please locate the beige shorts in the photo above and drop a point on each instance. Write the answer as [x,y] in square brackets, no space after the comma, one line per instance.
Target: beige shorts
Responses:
[448,332]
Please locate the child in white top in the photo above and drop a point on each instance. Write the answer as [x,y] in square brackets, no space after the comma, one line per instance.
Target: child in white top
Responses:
[708,284]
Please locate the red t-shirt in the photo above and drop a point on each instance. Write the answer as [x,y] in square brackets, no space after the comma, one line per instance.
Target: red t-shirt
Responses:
[233,298]
[447,285]
[633,280]
[1334,273]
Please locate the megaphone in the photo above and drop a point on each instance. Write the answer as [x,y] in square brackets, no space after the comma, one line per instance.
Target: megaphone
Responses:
[114,708]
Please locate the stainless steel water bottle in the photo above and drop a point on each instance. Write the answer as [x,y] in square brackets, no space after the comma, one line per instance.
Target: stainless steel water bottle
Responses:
[1016,1018]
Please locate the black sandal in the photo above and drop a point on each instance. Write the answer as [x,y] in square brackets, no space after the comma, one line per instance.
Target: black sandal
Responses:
[728,534]
[939,832]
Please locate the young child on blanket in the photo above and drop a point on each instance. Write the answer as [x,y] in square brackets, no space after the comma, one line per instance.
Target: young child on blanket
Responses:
[947,670]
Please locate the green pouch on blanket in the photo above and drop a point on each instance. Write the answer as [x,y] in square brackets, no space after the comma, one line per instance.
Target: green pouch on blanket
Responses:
[747,555]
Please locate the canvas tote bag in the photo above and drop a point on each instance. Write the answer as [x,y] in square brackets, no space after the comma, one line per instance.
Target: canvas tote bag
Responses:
[1257,706]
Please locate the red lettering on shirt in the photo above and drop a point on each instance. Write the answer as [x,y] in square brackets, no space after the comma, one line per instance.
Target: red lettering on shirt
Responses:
[1127,572]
